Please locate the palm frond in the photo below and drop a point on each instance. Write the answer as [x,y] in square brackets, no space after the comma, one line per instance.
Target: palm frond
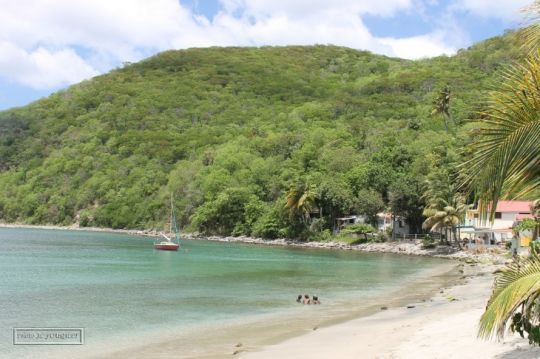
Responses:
[531,32]
[505,152]
[515,286]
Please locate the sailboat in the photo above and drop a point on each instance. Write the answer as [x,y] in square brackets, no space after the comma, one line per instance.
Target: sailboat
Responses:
[166,243]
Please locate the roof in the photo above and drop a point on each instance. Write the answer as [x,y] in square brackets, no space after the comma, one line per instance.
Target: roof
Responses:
[514,206]
[346,218]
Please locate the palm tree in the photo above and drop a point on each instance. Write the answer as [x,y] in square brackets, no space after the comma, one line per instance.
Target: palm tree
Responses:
[441,106]
[531,34]
[516,298]
[300,201]
[442,215]
[445,206]
[505,152]
[505,159]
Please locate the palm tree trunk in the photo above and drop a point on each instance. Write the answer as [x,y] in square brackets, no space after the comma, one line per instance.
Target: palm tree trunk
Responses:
[457,238]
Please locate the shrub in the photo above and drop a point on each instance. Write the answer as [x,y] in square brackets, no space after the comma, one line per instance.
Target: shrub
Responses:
[428,242]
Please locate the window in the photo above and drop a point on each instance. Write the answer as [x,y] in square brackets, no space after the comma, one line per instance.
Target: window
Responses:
[498,215]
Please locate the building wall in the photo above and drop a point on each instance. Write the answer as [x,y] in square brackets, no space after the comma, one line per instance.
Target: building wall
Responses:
[508,216]
[506,221]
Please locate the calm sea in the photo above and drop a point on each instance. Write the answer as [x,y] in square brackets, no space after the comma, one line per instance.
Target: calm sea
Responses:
[117,285]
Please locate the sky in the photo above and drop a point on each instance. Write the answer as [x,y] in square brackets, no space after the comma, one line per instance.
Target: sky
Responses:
[47,45]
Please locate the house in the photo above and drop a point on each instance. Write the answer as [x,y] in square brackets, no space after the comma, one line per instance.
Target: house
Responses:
[507,214]
[384,221]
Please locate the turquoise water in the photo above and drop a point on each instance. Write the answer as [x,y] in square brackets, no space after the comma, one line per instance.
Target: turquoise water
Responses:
[112,284]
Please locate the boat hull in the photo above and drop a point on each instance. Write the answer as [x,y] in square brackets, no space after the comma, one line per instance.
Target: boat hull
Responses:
[166,246]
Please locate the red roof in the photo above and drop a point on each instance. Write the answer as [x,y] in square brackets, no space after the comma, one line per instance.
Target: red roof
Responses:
[514,206]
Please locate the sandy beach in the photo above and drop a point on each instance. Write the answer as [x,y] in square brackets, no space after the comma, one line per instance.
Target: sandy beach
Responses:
[443,327]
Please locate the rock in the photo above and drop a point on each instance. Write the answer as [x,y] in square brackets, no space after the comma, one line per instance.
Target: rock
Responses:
[384,308]
[315,328]
[238,345]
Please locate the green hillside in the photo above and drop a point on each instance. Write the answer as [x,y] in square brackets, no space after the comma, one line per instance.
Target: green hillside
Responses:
[230,130]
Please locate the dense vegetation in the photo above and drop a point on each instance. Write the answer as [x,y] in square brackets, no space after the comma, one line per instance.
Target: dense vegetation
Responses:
[238,133]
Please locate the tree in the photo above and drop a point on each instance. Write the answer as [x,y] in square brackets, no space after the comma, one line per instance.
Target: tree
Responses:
[369,203]
[300,200]
[405,200]
[505,151]
[442,215]
[441,106]
[505,159]
[515,300]
[360,228]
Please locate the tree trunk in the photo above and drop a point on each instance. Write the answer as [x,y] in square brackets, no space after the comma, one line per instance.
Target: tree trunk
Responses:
[457,238]
[393,227]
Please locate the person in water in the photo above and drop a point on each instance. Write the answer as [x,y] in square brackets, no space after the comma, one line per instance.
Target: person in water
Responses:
[306,299]
[316,300]
[299,299]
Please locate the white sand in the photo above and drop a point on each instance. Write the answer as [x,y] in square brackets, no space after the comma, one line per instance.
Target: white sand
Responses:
[439,328]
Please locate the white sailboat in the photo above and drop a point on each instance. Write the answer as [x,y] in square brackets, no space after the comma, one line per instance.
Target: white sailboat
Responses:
[167,243]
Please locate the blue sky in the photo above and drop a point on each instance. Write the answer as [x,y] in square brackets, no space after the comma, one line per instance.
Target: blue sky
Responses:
[47,46]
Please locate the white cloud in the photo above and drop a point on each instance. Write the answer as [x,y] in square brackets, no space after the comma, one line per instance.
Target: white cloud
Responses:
[45,44]
[430,45]
[302,8]
[42,68]
[508,10]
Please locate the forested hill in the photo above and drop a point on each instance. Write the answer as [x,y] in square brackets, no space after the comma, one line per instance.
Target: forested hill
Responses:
[230,130]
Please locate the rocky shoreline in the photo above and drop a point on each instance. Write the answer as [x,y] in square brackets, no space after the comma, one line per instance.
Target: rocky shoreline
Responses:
[486,256]
[495,256]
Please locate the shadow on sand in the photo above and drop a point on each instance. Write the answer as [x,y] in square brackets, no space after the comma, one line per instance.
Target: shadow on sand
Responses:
[521,353]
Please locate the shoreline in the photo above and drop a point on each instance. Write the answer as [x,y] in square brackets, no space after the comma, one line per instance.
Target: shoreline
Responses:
[441,325]
[415,323]
[445,327]
[256,333]
[488,256]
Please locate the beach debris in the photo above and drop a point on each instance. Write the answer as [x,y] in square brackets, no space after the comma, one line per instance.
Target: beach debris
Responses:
[238,345]
[411,306]
[238,351]
[315,328]
[384,307]
[451,299]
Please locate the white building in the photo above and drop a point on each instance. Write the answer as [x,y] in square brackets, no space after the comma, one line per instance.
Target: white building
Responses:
[384,221]
[507,214]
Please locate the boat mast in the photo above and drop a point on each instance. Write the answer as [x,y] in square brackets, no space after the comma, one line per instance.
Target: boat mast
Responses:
[171,216]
